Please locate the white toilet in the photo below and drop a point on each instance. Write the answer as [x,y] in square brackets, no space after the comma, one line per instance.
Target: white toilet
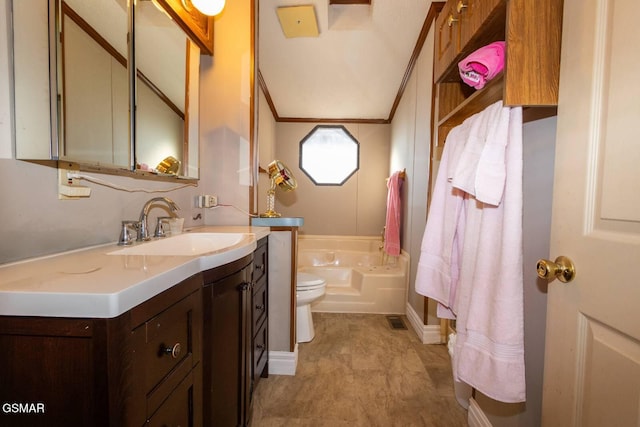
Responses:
[308,290]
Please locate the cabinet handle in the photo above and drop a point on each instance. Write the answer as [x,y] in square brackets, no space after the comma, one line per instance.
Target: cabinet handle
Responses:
[451,20]
[174,351]
[259,307]
[260,267]
[460,6]
[260,346]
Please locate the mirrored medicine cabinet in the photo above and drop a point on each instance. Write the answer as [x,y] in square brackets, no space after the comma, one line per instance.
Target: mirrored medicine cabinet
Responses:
[84,94]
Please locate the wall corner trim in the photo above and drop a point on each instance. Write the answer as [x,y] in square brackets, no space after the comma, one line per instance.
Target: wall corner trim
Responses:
[428,334]
[475,417]
[283,362]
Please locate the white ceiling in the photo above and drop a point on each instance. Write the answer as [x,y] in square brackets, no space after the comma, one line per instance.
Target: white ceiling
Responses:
[353,70]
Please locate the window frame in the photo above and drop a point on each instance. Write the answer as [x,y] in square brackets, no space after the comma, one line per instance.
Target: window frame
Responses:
[310,135]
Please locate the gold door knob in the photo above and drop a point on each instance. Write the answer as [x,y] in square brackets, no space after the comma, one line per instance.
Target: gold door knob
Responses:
[562,268]
[451,20]
[460,6]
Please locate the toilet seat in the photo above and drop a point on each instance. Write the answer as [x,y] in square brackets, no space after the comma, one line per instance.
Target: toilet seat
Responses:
[308,282]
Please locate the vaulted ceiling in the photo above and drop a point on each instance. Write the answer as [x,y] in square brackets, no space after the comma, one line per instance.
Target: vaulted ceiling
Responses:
[353,70]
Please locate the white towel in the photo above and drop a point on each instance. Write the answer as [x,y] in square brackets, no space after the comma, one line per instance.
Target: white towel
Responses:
[471,259]
[438,266]
[480,170]
[490,344]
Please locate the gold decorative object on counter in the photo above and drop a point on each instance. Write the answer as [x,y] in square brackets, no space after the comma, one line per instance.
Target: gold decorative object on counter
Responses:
[281,177]
[169,165]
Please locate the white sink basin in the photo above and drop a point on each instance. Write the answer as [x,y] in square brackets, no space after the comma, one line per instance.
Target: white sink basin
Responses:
[187,244]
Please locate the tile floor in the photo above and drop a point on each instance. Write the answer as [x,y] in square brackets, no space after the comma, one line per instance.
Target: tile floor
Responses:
[360,372]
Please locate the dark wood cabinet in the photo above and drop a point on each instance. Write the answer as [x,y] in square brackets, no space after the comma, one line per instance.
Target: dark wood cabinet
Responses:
[260,305]
[235,349]
[190,356]
[106,372]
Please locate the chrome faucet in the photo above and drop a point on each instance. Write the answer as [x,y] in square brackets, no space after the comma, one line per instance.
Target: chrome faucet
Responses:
[143,227]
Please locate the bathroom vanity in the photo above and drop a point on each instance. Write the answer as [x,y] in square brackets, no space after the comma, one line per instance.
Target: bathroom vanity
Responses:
[175,358]
[235,351]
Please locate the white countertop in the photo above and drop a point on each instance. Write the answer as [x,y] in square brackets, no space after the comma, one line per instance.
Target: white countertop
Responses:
[90,283]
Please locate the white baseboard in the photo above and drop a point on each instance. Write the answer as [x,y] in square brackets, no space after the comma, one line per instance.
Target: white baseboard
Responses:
[475,417]
[283,362]
[428,334]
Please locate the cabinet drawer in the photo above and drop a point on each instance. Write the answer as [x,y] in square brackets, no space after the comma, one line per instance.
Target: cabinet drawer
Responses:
[182,406]
[168,340]
[260,353]
[260,263]
[259,302]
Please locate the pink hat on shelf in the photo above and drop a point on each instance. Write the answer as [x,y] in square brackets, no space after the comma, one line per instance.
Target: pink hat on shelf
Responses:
[482,65]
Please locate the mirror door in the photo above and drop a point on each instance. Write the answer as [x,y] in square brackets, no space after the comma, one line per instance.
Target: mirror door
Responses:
[73,79]
[161,115]
[92,86]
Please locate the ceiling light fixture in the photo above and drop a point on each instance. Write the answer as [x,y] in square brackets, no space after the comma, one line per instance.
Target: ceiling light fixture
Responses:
[206,7]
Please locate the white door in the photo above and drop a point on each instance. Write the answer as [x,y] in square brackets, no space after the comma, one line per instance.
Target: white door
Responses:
[592,356]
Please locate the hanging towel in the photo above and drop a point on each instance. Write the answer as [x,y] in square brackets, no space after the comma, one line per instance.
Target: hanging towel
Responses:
[480,170]
[438,266]
[471,258]
[392,223]
[489,352]
[482,65]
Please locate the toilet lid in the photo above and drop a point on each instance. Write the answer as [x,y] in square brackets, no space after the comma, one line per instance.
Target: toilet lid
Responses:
[306,280]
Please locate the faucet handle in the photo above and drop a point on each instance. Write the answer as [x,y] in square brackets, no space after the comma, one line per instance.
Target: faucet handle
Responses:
[160,231]
[128,233]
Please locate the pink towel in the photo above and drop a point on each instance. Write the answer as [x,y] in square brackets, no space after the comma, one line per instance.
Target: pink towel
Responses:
[394,210]
[482,65]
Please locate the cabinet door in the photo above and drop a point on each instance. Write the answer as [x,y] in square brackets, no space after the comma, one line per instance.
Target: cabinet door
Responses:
[227,356]
[50,365]
[182,406]
[473,14]
[447,38]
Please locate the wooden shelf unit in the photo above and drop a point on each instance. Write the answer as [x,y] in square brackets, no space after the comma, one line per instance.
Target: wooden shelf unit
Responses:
[532,31]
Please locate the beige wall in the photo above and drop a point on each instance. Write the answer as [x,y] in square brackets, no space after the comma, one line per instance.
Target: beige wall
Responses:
[225,105]
[357,207]
[266,148]
[410,136]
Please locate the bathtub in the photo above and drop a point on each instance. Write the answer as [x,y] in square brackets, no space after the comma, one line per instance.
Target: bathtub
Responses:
[360,278]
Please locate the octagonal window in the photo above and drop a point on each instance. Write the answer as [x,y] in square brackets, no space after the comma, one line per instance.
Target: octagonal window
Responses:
[329,155]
